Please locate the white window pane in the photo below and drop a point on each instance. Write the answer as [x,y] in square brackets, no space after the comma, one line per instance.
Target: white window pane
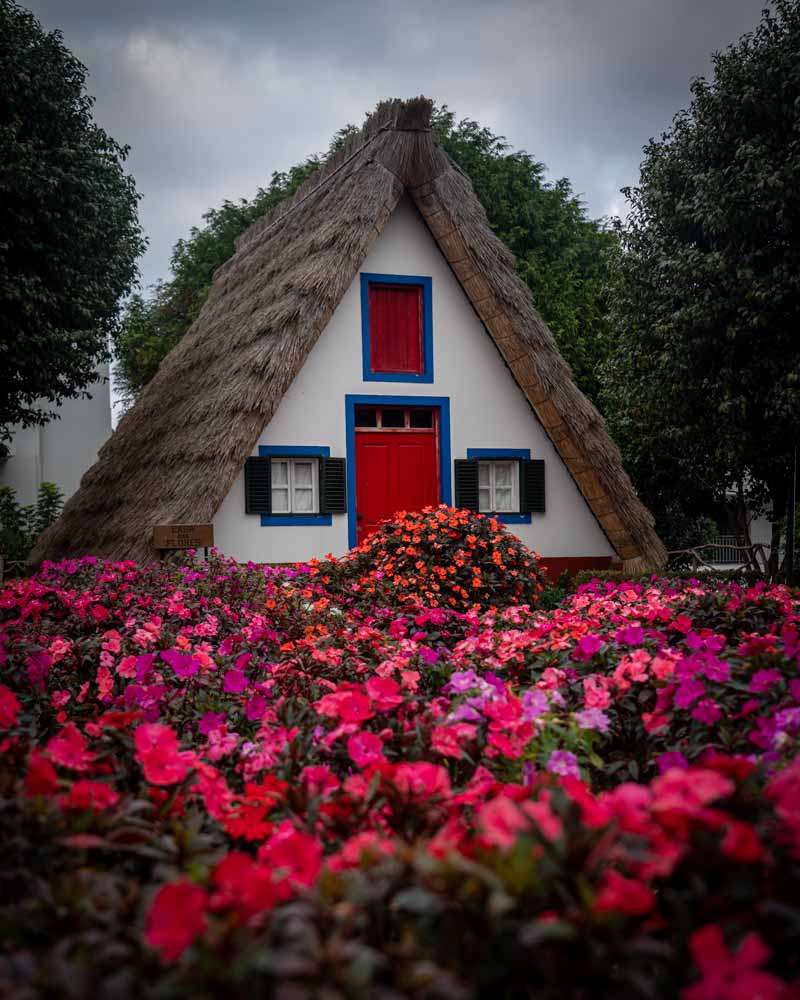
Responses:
[304,500]
[504,498]
[483,473]
[484,499]
[280,473]
[302,474]
[280,500]
[502,474]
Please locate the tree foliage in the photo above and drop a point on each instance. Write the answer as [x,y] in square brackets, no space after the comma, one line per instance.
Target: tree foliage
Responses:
[69,232]
[152,326]
[562,255]
[702,387]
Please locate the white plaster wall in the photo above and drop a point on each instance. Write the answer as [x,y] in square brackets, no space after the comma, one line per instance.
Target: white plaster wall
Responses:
[62,450]
[487,410]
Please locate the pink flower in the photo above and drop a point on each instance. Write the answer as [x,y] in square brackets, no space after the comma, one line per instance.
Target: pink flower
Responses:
[9,707]
[157,750]
[384,692]
[422,780]
[726,975]
[365,748]
[595,692]
[625,895]
[175,919]
[501,820]
[563,762]
[68,749]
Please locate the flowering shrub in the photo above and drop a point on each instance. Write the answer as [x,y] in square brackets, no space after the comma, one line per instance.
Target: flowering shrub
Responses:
[249,780]
[441,557]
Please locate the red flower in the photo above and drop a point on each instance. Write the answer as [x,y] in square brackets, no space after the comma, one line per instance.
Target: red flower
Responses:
[68,749]
[93,795]
[298,853]
[176,918]
[729,976]
[157,751]
[244,886]
[625,895]
[41,778]
[9,707]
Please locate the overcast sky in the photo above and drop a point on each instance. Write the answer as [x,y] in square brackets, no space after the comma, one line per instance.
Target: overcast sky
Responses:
[213,96]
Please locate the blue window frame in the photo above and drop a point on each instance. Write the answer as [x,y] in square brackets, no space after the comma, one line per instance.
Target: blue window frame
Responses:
[488,453]
[426,375]
[289,451]
[442,403]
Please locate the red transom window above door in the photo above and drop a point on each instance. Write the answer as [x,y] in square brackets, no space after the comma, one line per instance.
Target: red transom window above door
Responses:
[395,329]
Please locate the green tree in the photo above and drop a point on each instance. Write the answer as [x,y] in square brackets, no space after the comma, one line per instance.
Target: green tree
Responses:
[69,232]
[702,389]
[563,256]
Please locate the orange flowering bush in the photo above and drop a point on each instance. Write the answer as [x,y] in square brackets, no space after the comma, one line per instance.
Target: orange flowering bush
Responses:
[442,557]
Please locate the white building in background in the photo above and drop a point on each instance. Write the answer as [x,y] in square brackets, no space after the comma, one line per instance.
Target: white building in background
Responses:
[62,450]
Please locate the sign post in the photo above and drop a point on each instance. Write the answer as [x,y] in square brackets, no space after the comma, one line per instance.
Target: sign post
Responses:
[169,537]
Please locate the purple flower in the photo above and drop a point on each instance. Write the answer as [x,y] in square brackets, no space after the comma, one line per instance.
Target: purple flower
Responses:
[528,773]
[143,666]
[235,682]
[672,758]
[762,680]
[210,721]
[564,763]
[688,692]
[534,704]
[463,680]
[255,708]
[707,711]
[428,655]
[587,647]
[593,718]
[632,635]
[466,713]
[183,664]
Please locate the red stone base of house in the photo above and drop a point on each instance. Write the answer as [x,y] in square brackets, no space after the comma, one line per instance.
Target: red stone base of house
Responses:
[555,565]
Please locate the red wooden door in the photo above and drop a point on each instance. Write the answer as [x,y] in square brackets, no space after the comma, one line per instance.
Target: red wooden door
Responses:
[394,472]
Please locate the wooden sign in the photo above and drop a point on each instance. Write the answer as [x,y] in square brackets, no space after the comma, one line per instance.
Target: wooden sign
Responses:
[183,536]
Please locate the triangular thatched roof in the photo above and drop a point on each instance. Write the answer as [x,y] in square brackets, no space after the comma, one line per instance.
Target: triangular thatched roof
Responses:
[177,452]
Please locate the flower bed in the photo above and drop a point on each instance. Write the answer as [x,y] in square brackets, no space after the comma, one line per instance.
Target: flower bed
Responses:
[243,779]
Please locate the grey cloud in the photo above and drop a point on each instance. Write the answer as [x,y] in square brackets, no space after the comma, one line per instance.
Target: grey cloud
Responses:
[214,96]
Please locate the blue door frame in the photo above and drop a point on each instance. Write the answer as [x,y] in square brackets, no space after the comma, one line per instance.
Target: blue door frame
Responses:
[441,403]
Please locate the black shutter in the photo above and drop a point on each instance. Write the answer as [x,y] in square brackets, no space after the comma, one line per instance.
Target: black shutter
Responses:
[332,486]
[532,483]
[466,482]
[258,486]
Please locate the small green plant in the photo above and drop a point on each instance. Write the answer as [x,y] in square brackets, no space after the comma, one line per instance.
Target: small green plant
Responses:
[20,525]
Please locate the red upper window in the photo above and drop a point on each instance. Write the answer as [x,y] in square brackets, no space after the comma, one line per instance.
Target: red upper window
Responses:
[395,328]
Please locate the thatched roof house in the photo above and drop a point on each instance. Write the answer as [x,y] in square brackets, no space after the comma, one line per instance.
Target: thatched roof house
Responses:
[179,454]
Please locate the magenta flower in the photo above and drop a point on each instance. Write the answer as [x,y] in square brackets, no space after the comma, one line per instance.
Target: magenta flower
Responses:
[564,763]
[763,680]
[587,647]
[593,718]
[235,682]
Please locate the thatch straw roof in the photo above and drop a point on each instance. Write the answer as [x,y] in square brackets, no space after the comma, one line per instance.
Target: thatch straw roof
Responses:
[177,452]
